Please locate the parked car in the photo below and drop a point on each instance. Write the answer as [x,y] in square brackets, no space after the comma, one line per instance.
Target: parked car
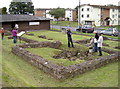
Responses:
[97,31]
[110,31]
[86,29]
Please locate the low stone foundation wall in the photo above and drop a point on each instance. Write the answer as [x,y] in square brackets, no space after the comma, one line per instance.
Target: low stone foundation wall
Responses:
[86,41]
[54,44]
[27,40]
[57,71]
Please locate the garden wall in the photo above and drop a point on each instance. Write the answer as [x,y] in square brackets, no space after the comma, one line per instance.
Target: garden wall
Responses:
[60,72]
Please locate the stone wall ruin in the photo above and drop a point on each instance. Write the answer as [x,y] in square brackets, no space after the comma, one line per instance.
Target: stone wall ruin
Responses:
[57,71]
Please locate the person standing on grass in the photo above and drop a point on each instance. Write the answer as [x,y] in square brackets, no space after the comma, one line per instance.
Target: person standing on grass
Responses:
[91,44]
[2,33]
[16,26]
[95,42]
[14,34]
[69,38]
[100,41]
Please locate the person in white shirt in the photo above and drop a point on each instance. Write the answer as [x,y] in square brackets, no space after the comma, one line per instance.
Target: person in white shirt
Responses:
[100,41]
[16,26]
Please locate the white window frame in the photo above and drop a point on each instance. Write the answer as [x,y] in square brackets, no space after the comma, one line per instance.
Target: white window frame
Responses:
[34,23]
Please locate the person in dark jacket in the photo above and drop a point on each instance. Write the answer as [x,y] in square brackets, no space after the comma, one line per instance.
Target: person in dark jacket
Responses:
[69,38]
[95,42]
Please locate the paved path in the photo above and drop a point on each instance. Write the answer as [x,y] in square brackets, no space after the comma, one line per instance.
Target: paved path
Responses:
[60,27]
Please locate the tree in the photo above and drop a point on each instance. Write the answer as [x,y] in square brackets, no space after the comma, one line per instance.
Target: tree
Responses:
[76,11]
[21,8]
[57,13]
[4,10]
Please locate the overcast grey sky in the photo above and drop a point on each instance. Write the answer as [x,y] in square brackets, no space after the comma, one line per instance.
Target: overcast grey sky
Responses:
[62,3]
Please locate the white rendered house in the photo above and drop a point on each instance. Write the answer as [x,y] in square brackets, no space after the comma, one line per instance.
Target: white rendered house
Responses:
[98,15]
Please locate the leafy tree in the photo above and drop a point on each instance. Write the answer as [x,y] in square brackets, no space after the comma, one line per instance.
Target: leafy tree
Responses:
[4,10]
[76,11]
[57,13]
[21,8]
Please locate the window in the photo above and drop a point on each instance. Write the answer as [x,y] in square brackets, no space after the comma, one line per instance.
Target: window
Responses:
[34,23]
[118,16]
[82,9]
[119,21]
[88,16]
[82,16]
[88,9]
[113,10]
[112,16]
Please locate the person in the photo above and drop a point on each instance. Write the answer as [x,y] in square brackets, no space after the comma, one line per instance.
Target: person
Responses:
[93,26]
[69,38]
[95,42]
[91,44]
[100,41]
[14,34]
[16,26]
[2,33]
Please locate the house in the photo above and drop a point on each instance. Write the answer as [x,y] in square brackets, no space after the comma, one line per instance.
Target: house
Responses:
[70,14]
[99,15]
[25,22]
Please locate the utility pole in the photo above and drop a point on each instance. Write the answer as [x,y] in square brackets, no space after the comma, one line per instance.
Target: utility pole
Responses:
[79,17]
[79,14]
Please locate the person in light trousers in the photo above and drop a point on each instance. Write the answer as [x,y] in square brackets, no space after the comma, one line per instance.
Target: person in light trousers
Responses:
[100,41]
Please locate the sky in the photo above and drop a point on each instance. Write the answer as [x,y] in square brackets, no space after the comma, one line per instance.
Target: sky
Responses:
[62,3]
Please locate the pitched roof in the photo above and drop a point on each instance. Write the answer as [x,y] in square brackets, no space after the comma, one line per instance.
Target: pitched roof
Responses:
[52,9]
[102,6]
[11,18]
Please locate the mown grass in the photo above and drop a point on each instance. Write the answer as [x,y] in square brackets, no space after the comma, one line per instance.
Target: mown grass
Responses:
[55,36]
[48,54]
[64,23]
[19,73]
[112,45]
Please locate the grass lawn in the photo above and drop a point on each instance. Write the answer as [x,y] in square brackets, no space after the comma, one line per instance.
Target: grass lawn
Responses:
[64,23]
[47,53]
[18,73]
[112,44]
[55,36]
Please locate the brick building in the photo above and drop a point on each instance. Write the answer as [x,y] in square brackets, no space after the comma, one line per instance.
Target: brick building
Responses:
[25,22]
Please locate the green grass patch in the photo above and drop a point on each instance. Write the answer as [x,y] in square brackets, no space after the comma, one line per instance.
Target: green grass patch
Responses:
[62,37]
[48,54]
[112,45]
[55,29]
[19,73]
[64,23]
